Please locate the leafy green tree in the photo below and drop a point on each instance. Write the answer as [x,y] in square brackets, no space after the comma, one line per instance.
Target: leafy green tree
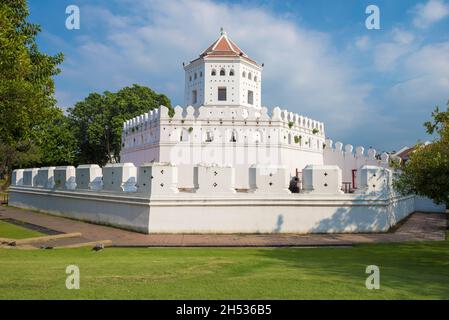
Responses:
[97,121]
[26,87]
[56,141]
[426,173]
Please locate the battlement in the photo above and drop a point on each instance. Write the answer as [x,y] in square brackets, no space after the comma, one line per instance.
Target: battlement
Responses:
[161,179]
[350,162]
[128,196]
[224,114]
[223,125]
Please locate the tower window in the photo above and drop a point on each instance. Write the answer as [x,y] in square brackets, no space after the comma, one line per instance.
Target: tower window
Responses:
[231,73]
[209,136]
[222,94]
[233,136]
[255,78]
[213,73]
[194,97]
[244,74]
[222,72]
[195,76]
[250,76]
[250,97]
[201,74]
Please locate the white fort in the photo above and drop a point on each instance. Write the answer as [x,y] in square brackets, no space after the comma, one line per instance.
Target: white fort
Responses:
[225,164]
[223,122]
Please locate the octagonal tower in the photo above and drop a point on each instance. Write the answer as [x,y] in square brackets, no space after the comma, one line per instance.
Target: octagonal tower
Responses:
[223,75]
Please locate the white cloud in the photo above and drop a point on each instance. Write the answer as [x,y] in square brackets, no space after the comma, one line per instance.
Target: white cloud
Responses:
[387,54]
[363,42]
[426,73]
[429,13]
[402,37]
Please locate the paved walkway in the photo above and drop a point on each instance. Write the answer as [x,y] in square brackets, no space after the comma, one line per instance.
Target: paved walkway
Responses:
[418,227]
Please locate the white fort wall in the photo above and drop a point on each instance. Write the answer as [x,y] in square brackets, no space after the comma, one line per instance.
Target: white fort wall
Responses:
[351,161]
[238,137]
[227,136]
[148,199]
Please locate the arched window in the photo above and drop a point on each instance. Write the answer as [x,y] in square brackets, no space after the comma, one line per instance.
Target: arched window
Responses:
[222,72]
[233,136]
[250,76]
[244,74]
[255,78]
[209,136]
[231,73]
[190,78]
[195,76]
[184,135]
[213,73]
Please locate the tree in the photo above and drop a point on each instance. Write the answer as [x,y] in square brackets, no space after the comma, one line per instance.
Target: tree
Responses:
[26,87]
[56,141]
[426,173]
[97,121]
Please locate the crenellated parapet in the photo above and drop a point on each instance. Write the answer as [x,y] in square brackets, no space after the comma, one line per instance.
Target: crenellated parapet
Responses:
[224,125]
[351,160]
[150,199]
[322,179]
[162,179]
[358,154]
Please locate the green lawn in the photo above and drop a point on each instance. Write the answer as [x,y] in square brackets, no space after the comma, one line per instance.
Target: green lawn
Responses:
[9,230]
[408,271]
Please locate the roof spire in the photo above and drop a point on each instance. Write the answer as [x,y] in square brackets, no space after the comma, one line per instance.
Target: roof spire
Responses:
[222,32]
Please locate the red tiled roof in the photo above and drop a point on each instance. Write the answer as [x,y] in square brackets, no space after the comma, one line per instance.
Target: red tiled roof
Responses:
[406,153]
[224,47]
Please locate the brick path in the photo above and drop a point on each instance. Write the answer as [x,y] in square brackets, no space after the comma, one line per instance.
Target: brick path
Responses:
[418,227]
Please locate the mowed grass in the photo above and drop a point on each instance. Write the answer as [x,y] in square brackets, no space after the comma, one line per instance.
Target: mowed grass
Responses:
[407,271]
[11,231]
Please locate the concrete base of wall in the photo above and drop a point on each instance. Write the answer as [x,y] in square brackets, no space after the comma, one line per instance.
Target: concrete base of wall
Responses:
[234,213]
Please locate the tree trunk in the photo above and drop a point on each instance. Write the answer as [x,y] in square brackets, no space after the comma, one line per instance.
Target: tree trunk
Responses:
[7,181]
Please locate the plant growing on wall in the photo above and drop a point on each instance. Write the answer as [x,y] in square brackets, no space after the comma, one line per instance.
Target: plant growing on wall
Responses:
[290,124]
[315,131]
[298,139]
[190,130]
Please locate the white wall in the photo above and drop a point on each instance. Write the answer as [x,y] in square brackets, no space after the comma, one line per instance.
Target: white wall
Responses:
[260,139]
[349,159]
[214,206]
[424,204]
[237,213]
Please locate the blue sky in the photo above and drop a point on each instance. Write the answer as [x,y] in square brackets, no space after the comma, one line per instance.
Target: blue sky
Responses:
[369,87]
